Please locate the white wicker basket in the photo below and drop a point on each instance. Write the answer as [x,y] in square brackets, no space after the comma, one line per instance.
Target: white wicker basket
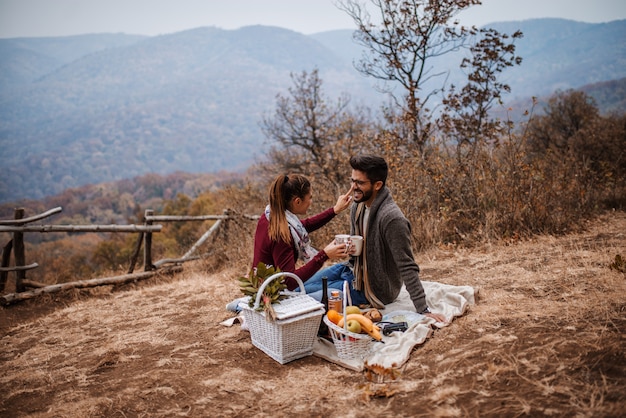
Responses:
[292,334]
[348,344]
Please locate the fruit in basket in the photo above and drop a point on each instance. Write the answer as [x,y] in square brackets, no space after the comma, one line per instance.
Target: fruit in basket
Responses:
[334,316]
[366,325]
[375,333]
[354,326]
[352,310]
[374,314]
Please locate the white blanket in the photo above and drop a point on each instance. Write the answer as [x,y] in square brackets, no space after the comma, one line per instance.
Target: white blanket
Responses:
[451,301]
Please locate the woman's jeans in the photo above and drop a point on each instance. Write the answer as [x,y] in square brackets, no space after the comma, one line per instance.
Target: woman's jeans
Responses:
[336,275]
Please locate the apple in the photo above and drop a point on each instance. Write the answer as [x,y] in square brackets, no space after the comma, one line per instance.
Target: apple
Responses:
[354,326]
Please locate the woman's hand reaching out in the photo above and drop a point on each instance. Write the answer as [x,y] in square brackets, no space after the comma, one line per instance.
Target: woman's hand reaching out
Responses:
[343,201]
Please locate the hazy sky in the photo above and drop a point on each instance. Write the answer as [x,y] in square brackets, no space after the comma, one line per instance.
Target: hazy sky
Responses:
[34,18]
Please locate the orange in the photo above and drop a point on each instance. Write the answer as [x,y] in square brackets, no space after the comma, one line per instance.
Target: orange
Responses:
[334,316]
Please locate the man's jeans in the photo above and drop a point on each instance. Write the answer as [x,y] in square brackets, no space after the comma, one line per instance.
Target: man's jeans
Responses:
[336,275]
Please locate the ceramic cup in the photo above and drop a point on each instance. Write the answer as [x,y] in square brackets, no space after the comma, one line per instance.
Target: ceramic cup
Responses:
[357,243]
[342,239]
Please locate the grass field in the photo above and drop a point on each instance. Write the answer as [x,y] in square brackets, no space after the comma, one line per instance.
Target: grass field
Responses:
[547,337]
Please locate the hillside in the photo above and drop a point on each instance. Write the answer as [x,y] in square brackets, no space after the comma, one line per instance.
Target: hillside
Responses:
[188,101]
[545,338]
[25,60]
[123,201]
[97,108]
[609,95]
[557,54]
[560,54]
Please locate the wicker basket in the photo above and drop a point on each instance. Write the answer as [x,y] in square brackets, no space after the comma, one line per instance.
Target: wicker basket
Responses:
[348,344]
[292,334]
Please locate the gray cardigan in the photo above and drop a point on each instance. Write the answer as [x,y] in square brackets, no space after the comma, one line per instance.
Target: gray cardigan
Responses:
[390,260]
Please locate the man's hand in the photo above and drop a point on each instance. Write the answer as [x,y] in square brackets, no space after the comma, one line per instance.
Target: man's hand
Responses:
[437,317]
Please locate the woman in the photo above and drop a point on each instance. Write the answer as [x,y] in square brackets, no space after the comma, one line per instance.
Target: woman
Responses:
[282,238]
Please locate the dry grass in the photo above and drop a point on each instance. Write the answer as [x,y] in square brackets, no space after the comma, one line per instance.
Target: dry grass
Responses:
[546,338]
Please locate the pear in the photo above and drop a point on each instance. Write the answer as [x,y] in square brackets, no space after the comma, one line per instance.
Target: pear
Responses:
[354,326]
[352,310]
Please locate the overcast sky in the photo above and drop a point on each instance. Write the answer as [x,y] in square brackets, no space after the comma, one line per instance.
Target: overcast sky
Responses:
[35,18]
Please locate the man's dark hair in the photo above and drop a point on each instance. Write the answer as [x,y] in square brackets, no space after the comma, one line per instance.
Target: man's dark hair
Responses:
[373,166]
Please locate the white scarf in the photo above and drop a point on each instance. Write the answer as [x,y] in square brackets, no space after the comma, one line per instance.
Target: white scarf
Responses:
[299,234]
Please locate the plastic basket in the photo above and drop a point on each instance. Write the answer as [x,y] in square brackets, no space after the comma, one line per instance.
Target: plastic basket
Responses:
[348,344]
[292,335]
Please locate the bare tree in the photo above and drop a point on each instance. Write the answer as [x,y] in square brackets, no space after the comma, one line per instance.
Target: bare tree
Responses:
[408,35]
[465,118]
[313,136]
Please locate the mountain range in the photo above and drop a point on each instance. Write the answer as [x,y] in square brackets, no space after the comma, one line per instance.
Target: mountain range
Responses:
[101,107]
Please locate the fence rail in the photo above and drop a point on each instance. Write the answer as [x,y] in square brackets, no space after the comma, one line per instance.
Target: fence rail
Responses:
[17,227]
[18,268]
[21,221]
[82,228]
[172,218]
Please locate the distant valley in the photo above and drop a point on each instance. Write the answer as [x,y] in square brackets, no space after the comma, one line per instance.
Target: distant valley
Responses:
[97,108]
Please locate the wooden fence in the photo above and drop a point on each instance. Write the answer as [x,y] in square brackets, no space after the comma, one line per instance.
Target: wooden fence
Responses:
[19,225]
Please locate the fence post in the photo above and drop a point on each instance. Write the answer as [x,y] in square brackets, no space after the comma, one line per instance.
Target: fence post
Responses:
[6,260]
[147,248]
[133,259]
[18,253]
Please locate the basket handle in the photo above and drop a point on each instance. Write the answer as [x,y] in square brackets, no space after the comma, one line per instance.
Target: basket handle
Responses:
[346,295]
[267,281]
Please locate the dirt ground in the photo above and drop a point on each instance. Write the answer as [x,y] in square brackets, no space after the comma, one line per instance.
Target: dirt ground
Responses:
[547,337]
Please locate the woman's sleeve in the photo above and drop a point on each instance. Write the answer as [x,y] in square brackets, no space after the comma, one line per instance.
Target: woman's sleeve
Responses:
[283,254]
[309,269]
[316,222]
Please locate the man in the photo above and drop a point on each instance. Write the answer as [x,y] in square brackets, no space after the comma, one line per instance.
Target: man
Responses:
[386,262]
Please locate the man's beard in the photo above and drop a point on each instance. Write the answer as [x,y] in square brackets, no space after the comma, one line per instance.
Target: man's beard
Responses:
[365,195]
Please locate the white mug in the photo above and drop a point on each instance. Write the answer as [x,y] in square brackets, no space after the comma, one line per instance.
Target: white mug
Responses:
[342,239]
[357,244]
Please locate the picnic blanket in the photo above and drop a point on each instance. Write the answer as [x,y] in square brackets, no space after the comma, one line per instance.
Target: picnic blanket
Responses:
[452,301]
